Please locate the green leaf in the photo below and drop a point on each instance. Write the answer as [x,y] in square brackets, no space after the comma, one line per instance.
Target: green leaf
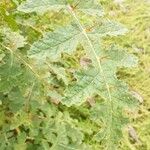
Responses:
[21,142]
[54,43]
[2,55]
[87,83]
[106,28]
[65,40]
[90,7]
[8,74]
[13,39]
[112,124]
[41,6]
[60,72]
[16,100]
[91,81]
[63,128]
[20,118]
[55,96]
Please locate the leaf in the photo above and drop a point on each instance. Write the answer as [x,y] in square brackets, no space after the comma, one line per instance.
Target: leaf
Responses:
[60,72]
[66,40]
[20,118]
[63,128]
[13,39]
[90,7]
[21,142]
[90,81]
[2,55]
[8,74]
[106,28]
[55,96]
[41,5]
[54,43]
[87,83]
[113,122]
[16,100]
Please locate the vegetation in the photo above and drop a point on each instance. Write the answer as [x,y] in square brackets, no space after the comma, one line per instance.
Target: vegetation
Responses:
[63,68]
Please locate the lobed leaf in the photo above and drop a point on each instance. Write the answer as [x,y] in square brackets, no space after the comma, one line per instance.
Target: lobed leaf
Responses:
[106,28]
[41,5]
[91,81]
[54,43]
[13,39]
[66,40]
[60,72]
[90,7]
[112,124]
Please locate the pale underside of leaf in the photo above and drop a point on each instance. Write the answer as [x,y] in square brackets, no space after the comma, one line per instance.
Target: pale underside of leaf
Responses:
[108,27]
[14,40]
[111,131]
[90,82]
[90,7]
[60,72]
[54,43]
[41,5]
[66,40]
[86,86]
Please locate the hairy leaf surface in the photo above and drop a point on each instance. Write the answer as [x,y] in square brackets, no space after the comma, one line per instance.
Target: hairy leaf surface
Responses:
[54,43]
[112,124]
[90,7]
[91,81]
[67,39]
